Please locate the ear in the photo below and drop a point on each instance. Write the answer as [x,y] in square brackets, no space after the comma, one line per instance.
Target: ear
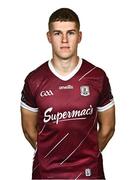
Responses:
[49,36]
[80,37]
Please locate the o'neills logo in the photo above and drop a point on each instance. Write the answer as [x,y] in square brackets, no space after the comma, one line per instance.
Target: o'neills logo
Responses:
[48,116]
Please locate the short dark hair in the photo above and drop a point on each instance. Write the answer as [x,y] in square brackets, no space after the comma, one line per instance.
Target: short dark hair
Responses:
[64,14]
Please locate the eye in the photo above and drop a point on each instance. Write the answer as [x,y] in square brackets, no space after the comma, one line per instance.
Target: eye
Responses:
[71,32]
[56,33]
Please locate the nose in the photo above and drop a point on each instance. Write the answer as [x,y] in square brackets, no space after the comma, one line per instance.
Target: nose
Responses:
[64,38]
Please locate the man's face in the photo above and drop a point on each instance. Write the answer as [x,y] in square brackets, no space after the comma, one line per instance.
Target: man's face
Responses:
[64,38]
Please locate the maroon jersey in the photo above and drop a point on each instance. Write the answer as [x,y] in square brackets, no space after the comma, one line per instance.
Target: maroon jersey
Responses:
[67,143]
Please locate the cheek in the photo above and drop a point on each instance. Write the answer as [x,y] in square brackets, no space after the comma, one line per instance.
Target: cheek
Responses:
[55,46]
[74,43]
[55,42]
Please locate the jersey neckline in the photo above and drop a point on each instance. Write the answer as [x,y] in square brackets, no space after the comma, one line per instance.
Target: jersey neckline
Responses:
[70,75]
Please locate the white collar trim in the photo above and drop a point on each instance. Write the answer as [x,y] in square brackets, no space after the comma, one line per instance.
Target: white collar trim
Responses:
[70,75]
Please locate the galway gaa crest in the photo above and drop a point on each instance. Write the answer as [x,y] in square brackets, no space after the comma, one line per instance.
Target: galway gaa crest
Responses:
[84,91]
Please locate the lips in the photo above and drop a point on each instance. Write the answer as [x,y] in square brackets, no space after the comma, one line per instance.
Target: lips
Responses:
[64,47]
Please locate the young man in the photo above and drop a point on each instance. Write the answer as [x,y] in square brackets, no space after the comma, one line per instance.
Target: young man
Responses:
[67,108]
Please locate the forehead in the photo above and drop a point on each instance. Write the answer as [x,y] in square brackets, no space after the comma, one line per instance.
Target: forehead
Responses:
[62,25]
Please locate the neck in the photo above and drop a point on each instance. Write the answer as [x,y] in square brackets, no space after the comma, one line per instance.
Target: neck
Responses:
[65,66]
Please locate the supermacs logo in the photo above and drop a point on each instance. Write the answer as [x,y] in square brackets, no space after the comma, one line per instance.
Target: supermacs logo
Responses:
[66,115]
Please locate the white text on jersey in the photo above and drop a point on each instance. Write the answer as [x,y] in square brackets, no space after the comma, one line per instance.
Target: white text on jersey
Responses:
[46,93]
[66,87]
[66,114]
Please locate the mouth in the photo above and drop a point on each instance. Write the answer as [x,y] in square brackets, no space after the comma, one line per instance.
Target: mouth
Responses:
[65,47]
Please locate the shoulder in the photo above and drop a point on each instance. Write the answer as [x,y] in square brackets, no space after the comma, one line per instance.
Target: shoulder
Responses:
[92,69]
[37,74]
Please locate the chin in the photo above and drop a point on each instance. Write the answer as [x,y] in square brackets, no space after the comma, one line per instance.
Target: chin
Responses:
[65,57]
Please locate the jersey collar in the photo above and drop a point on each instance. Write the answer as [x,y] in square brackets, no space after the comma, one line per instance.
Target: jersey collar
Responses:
[70,75]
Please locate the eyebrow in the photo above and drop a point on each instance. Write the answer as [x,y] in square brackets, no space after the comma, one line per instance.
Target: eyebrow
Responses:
[61,31]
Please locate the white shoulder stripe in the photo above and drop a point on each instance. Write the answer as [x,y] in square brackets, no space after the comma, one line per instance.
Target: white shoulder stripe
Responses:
[24,105]
[107,106]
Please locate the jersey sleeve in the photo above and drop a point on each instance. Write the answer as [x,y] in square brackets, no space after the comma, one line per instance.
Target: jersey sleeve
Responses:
[106,100]
[27,97]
